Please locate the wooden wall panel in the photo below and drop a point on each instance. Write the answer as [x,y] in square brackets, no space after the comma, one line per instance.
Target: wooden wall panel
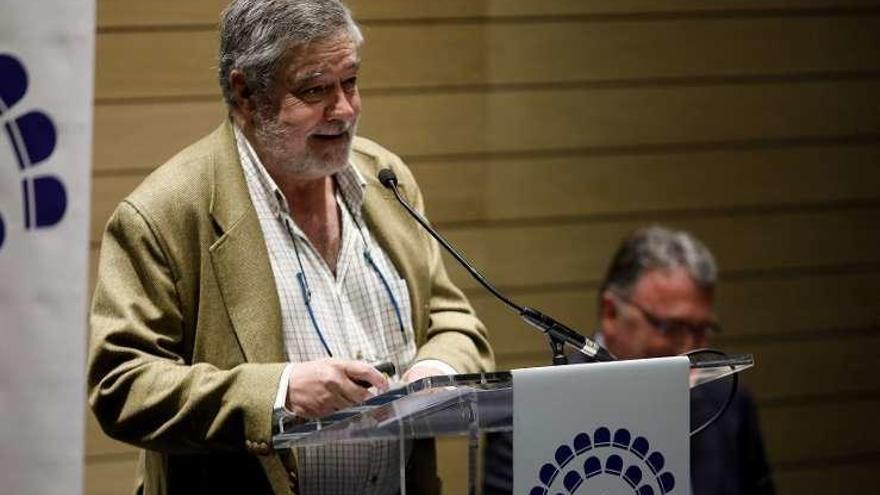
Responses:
[111,476]
[828,477]
[158,13]
[183,63]
[408,9]
[493,189]
[565,119]
[143,136]
[116,14]
[567,253]
[753,311]
[803,305]
[576,50]
[783,371]
[793,241]
[156,64]
[100,446]
[792,369]
[543,131]
[575,118]
[825,430]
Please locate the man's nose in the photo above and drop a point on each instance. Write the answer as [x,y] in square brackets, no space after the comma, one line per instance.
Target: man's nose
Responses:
[340,106]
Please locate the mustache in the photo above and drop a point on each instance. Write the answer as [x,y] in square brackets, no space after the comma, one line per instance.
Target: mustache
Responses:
[335,129]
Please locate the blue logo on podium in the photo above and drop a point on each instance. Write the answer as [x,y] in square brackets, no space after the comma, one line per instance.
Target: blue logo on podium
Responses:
[605,463]
[33,137]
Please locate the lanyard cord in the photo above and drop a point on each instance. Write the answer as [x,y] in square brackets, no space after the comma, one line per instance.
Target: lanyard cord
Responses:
[306,291]
[370,261]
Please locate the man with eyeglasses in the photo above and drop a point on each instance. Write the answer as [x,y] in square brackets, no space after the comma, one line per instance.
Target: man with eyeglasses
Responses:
[657,299]
[264,267]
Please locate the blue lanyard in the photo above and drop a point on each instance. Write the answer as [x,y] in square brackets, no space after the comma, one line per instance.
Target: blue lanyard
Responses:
[306,291]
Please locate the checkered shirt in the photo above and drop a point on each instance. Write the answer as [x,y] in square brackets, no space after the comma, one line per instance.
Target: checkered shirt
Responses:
[353,310]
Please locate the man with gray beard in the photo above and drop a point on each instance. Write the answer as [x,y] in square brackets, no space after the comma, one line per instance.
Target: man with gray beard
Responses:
[261,268]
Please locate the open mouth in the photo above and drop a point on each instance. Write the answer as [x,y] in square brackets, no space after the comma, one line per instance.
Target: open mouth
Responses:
[329,138]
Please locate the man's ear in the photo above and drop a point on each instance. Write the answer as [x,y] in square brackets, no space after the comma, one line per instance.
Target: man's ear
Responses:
[608,312]
[244,97]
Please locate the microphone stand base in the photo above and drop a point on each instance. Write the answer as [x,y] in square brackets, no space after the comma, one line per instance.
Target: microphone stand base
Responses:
[558,348]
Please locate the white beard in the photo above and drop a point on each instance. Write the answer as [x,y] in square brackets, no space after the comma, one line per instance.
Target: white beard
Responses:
[305,163]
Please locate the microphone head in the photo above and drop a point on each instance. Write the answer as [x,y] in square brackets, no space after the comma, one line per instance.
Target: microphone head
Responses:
[388,178]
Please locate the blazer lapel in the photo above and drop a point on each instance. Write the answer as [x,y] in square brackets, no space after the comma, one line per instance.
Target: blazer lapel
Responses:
[240,259]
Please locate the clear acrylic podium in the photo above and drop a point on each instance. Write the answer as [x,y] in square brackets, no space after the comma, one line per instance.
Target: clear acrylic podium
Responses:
[454,405]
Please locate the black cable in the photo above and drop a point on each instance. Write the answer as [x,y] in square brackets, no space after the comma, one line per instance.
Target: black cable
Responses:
[730,395]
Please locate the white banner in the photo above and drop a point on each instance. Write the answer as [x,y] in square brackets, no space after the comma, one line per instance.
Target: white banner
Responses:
[46,74]
[602,428]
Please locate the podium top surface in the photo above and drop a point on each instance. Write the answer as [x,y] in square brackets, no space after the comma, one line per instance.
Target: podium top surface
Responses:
[444,405]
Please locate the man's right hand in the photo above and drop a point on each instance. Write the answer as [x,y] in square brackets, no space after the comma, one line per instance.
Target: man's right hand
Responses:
[318,388]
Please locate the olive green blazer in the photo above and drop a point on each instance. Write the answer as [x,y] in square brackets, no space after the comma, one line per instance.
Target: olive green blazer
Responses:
[186,348]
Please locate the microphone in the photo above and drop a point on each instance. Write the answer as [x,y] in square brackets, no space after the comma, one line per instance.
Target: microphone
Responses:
[554,329]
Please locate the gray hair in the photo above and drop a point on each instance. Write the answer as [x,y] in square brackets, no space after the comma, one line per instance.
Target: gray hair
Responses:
[659,248]
[256,35]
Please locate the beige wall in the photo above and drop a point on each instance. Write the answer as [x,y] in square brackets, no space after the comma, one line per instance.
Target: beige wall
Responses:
[542,131]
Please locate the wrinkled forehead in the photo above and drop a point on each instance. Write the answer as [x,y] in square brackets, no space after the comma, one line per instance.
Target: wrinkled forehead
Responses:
[333,54]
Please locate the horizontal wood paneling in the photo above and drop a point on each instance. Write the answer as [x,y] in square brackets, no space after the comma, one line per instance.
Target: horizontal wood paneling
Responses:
[578,252]
[745,243]
[544,131]
[107,193]
[167,64]
[114,13]
[575,50]
[493,189]
[753,311]
[814,304]
[408,9]
[122,13]
[111,476]
[788,369]
[576,118]
[99,445]
[580,185]
[543,120]
[143,136]
[783,370]
[830,477]
[181,63]
[818,431]
[574,252]
[785,366]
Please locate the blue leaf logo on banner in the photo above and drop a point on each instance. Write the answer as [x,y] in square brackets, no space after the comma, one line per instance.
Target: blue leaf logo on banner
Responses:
[637,469]
[33,138]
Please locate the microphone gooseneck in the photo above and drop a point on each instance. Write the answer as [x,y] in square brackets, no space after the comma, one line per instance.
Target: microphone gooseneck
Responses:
[537,319]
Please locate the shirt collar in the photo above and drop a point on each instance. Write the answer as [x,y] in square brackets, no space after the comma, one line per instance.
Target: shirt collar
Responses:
[349,181]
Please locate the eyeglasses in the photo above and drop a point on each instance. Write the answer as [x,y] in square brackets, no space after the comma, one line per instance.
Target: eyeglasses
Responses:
[672,326]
